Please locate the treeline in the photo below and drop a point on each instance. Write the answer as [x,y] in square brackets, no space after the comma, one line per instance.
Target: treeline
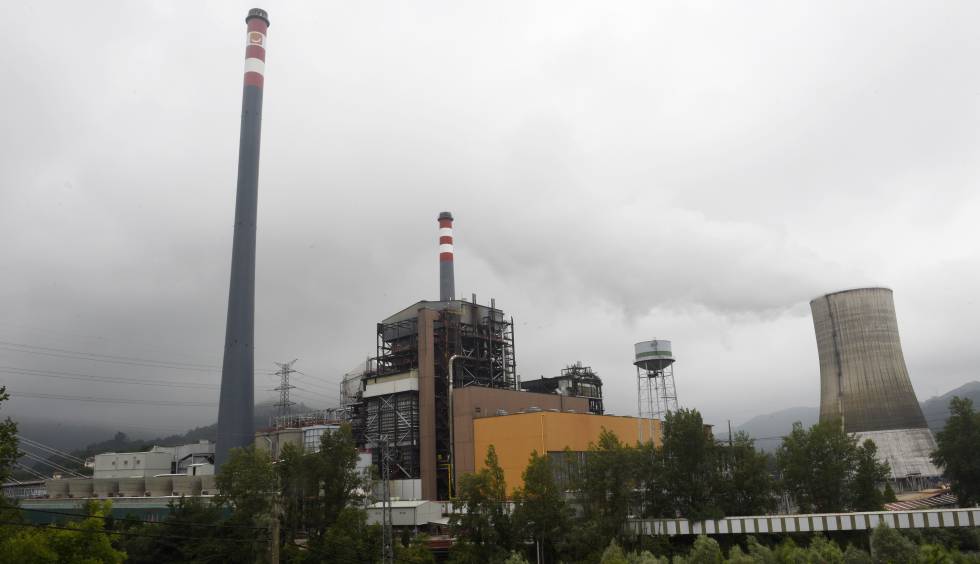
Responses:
[570,507]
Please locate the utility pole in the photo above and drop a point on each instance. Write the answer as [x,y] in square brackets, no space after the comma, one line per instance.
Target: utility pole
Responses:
[285,369]
[387,536]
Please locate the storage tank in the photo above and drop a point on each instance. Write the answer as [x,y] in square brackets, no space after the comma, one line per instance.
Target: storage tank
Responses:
[56,488]
[107,487]
[208,484]
[80,487]
[187,485]
[159,486]
[653,355]
[132,487]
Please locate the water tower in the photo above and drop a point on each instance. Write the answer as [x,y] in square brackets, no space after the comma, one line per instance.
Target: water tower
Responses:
[656,394]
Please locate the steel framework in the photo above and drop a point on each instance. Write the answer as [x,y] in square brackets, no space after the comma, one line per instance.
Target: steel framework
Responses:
[656,393]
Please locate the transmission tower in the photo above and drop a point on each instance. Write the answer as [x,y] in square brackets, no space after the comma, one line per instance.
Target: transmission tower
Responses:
[285,369]
[387,542]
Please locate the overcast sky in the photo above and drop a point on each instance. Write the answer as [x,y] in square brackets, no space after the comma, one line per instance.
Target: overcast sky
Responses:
[618,172]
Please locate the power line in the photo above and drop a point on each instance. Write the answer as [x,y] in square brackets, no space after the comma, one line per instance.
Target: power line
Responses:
[160,403]
[109,359]
[52,450]
[30,470]
[105,379]
[47,462]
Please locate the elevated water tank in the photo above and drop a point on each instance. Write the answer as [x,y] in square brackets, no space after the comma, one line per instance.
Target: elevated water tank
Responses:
[653,355]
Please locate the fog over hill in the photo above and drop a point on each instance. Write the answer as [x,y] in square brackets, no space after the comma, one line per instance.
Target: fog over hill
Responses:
[768,429]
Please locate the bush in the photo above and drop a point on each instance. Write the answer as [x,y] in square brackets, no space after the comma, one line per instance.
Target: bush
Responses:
[736,556]
[706,551]
[613,554]
[854,555]
[825,551]
[889,546]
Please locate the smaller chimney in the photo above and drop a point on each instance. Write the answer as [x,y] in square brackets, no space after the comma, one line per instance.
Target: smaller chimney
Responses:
[447,283]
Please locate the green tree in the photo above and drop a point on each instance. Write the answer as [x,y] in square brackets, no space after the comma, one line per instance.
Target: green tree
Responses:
[318,487]
[515,558]
[416,552]
[854,555]
[706,551]
[736,556]
[606,490]
[482,525]
[748,488]
[349,540]
[541,512]
[246,483]
[651,497]
[825,471]
[869,474]
[957,451]
[78,542]
[692,469]
[9,451]
[646,557]
[613,554]
[246,486]
[759,552]
[192,532]
[888,546]
[824,551]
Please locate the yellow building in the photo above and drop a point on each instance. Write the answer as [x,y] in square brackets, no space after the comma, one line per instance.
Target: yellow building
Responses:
[515,436]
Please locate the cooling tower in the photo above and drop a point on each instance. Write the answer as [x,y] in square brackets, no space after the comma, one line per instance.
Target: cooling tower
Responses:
[863,379]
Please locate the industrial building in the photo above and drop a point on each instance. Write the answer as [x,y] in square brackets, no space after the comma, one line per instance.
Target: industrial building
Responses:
[562,436]
[574,380]
[439,367]
[864,382]
[159,472]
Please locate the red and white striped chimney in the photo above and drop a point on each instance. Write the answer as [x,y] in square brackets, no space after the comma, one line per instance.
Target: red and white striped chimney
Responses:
[447,283]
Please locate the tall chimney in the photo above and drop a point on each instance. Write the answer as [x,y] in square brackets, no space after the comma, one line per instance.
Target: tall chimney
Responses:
[447,283]
[237,404]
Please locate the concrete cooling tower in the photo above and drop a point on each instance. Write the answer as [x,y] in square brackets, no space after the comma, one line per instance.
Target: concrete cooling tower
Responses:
[864,383]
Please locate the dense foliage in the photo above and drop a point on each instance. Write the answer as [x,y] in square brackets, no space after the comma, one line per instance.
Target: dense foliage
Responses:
[958,451]
[825,470]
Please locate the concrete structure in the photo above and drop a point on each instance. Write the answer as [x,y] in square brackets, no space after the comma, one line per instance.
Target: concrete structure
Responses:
[864,383]
[158,460]
[133,464]
[409,514]
[237,401]
[515,436]
[809,523]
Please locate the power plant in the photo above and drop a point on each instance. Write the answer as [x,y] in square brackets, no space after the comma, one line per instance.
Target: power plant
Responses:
[864,383]
[236,405]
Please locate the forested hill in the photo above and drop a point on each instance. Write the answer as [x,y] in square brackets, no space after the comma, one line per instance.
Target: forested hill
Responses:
[768,428]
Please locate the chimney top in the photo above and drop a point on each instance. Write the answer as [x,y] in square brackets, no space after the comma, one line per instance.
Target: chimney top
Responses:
[258,13]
